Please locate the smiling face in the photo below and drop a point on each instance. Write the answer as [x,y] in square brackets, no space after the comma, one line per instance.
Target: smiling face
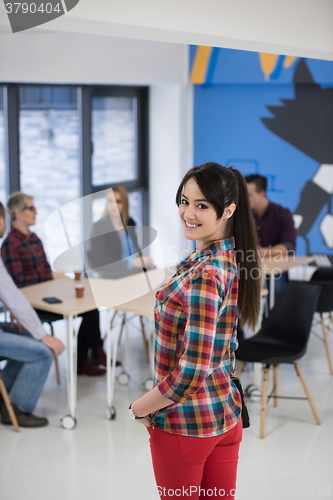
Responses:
[199,217]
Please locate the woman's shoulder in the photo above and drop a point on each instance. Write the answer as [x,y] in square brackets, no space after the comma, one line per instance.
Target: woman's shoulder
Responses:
[102,222]
[215,267]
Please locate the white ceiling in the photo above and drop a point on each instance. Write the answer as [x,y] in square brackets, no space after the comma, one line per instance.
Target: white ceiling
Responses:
[289,27]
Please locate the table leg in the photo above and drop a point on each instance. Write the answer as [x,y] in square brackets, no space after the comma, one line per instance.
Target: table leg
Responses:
[123,377]
[69,421]
[271,291]
[149,382]
[111,353]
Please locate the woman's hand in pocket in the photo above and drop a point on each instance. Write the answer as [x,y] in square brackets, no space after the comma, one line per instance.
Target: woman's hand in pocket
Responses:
[145,421]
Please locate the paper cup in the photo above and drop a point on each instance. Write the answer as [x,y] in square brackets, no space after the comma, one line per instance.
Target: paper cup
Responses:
[79,290]
[78,275]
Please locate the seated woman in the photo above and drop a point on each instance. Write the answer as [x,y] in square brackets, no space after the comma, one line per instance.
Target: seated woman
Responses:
[113,243]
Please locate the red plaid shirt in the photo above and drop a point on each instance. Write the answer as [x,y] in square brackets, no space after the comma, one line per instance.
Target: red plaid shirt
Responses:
[25,259]
[195,340]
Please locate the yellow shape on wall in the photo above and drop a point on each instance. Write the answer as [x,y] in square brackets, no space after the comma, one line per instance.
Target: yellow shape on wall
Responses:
[289,60]
[267,63]
[200,64]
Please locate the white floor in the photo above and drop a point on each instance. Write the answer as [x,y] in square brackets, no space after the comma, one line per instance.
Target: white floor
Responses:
[102,459]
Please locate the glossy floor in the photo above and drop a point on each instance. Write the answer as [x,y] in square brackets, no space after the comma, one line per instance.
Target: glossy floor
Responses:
[102,459]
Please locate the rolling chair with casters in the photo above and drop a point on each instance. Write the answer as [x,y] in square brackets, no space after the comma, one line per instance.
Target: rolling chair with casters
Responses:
[282,339]
[323,276]
[6,400]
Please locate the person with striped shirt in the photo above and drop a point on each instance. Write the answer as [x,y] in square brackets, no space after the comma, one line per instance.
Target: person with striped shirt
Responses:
[193,413]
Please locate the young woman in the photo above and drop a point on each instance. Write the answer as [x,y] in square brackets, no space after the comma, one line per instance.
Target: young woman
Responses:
[113,241]
[193,414]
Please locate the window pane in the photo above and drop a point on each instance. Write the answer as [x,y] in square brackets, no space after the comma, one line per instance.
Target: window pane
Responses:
[114,136]
[3,195]
[135,206]
[49,153]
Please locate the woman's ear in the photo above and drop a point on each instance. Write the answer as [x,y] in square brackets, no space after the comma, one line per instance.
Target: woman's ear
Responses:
[229,211]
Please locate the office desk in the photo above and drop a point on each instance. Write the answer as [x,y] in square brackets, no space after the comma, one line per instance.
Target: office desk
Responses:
[273,266]
[63,289]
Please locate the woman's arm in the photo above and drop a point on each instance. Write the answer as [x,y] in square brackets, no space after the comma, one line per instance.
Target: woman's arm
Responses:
[150,402]
[202,301]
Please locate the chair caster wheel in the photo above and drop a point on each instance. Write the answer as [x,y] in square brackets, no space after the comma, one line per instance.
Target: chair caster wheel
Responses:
[123,378]
[148,384]
[68,422]
[248,389]
[110,412]
[253,392]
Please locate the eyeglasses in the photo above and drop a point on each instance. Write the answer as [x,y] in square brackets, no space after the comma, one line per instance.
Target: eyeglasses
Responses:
[32,208]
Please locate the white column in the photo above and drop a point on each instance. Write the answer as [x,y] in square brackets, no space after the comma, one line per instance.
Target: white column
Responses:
[171,153]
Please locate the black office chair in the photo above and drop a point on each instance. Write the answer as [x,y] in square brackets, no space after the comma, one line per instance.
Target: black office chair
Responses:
[282,339]
[323,276]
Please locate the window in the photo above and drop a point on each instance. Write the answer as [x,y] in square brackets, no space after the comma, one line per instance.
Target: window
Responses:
[49,164]
[51,129]
[114,158]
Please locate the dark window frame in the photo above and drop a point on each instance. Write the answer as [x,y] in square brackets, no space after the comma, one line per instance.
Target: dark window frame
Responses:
[84,94]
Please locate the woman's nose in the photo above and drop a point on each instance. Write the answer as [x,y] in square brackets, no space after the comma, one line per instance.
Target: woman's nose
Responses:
[189,212]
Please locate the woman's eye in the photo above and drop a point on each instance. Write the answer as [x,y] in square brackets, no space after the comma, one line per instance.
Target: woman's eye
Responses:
[202,206]
[183,202]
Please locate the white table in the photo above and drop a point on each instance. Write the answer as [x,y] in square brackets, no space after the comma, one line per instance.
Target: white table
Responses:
[275,265]
[63,289]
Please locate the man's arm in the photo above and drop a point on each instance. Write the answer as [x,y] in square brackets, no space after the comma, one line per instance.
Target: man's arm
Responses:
[288,231]
[19,305]
[25,314]
[279,249]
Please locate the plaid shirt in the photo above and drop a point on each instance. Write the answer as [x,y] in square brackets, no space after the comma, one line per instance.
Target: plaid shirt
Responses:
[195,340]
[25,259]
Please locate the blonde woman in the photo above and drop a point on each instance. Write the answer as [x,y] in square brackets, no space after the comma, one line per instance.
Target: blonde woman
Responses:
[113,243]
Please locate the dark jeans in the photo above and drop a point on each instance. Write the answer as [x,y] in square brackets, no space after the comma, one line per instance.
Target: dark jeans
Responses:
[89,336]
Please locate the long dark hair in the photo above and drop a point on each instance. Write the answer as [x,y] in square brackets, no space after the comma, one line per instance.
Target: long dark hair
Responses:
[222,186]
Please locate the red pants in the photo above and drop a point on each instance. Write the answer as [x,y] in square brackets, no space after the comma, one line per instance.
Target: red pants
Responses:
[195,468]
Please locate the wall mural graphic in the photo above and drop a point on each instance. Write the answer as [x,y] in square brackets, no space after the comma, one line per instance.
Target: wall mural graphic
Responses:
[306,122]
[271,114]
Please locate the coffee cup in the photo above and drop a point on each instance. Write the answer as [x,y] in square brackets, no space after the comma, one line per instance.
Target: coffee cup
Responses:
[78,275]
[79,290]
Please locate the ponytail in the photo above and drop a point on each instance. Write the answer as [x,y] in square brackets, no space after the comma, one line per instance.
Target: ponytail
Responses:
[247,256]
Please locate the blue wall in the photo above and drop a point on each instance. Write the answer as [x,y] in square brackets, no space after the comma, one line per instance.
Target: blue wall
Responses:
[228,127]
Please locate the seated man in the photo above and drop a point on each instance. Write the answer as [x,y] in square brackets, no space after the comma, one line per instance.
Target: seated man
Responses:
[24,257]
[275,225]
[29,354]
